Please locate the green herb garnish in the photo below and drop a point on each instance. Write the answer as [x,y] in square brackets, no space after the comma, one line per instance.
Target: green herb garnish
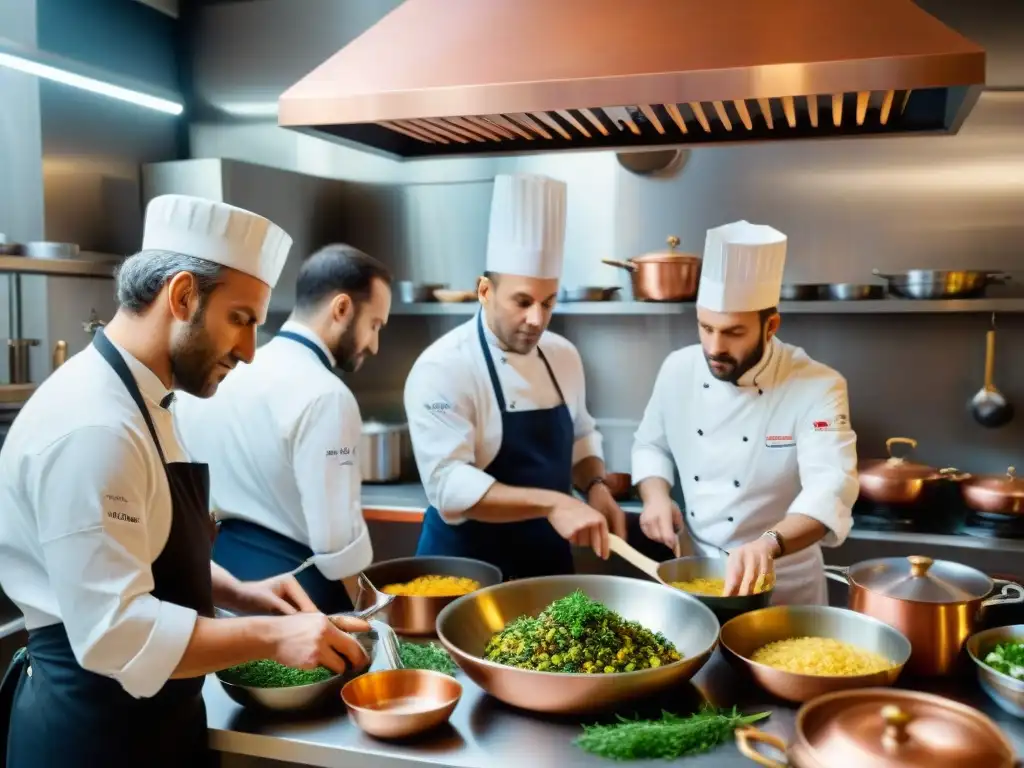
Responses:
[265,673]
[668,738]
[1007,658]
[426,656]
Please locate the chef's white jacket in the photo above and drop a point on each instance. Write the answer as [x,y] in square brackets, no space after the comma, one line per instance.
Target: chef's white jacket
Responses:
[85,510]
[454,418]
[281,437]
[748,455]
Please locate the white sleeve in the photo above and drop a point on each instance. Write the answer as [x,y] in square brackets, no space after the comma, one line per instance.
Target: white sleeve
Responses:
[826,447]
[588,441]
[325,459]
[93,500]
[441,413]
[651,455]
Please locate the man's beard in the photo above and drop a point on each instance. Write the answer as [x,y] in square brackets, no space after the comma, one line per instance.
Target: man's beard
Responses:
[193,359]
[522,340]
[348,358]
[737,367]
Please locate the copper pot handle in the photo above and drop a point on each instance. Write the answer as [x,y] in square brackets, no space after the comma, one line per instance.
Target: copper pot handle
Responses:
[1010,594]
[745,738]
[629,266]
[901,441]
[838,573]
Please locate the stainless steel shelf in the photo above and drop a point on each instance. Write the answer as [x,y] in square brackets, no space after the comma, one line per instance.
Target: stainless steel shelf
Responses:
[881,306]
[91,265]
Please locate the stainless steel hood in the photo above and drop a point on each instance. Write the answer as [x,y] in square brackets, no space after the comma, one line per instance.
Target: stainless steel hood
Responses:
[437,78]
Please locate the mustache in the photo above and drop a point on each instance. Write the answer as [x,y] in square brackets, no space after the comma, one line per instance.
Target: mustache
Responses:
[728,359]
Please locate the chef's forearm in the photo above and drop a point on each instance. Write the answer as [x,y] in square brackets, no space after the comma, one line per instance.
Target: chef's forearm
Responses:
[221,643]
[800,531]
[586,471]
[510,504]
[654,489]
[225,586]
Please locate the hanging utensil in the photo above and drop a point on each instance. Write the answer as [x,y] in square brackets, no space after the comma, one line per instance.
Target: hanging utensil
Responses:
[989,407]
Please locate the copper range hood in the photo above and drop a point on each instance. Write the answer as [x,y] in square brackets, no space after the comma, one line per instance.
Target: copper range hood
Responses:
[446,78]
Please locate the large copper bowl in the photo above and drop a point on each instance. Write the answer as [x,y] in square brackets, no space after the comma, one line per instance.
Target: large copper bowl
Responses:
[743,635]
[417,615]
[465,627]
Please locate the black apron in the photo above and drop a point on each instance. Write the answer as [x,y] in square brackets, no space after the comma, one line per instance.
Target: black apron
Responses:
[251,552]
[536,452]
[64,715]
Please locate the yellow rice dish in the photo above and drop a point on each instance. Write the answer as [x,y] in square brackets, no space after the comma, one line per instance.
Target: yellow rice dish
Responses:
[820,656]
[712,587]
[434,586]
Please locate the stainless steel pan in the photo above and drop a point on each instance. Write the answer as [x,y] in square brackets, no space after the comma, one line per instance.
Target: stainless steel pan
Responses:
[941,283]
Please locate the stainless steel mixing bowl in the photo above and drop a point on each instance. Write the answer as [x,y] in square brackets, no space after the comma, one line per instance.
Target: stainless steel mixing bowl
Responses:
[465,626]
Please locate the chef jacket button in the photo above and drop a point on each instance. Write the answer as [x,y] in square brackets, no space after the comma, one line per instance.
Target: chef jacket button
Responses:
[729,519]
[706,385]
[744,439]
[736,483]
[692,513]
[696,478]
[700,432]
[760,391]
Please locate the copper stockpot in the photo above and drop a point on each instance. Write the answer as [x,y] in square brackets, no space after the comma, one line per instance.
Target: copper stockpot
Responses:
[936,604]
[663,276]
[896,480]
[883,728]
[995,494]
[417,615]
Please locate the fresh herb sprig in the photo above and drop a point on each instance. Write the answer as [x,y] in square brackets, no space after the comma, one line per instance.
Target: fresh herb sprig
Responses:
[426,656]
[669,738]
[265,673]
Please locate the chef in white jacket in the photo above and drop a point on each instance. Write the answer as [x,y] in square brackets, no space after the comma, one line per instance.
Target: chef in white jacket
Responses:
[759,432]
[282,434]
[497,408]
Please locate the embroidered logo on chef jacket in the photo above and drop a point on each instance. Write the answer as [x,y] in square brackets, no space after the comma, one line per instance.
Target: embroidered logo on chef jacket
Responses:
[831,425]
[779,441]
[340,451]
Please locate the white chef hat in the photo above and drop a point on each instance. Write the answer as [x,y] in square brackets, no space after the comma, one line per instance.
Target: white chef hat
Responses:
[742,268]
[217,232]
[527,228]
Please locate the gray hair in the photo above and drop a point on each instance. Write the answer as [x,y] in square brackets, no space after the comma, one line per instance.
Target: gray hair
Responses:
[141,277]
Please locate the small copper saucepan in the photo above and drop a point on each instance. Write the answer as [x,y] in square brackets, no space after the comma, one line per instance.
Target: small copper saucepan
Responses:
[663,276]
[937,604]
[896,480]
[995,494]
[883,728]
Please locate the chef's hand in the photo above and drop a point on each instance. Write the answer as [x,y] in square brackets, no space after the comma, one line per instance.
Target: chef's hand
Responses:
[747,564]
[661,521]
[601,499]
[279,594]
[581,524]
[308,640]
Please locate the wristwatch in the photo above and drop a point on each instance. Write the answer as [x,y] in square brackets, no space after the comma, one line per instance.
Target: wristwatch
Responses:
[777,538]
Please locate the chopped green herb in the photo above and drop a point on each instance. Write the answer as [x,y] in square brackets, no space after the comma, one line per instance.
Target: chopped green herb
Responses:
[426,656]
[1007,658]
[669,738]
[265,673]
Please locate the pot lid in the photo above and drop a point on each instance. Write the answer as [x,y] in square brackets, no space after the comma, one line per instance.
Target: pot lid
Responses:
[670,255]
[898,467]
[921,579]
[1008,485]
[882,727]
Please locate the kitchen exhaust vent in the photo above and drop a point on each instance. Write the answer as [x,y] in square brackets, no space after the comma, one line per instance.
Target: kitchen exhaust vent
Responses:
[449,78]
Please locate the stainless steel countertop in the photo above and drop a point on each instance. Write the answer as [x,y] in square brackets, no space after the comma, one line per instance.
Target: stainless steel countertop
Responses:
[484,732]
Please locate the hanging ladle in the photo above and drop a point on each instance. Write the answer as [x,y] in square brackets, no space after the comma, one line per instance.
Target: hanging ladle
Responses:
[989,407]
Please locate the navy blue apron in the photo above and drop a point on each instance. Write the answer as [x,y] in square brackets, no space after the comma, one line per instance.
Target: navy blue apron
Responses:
[251,552]
[536,452]
[63,714]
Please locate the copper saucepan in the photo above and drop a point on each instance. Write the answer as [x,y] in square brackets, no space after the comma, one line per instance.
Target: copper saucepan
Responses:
[896,480]
[937,604]
[663,276]
[885,728]
[995,494]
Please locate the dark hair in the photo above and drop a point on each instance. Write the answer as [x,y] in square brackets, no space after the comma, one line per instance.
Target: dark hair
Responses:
[337,268]
[766,314]
[141,277]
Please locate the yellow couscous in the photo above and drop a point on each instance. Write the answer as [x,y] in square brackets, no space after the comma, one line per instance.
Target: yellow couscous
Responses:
[712,587]
[820,656]
[434,586]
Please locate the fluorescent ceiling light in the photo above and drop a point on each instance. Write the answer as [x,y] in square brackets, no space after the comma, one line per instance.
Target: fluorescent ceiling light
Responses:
[48,72]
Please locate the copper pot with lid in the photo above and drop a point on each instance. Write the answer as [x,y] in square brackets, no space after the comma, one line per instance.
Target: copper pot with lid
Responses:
[936,604]
[996,494]
[896,480]
[883,727]
[664,275]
